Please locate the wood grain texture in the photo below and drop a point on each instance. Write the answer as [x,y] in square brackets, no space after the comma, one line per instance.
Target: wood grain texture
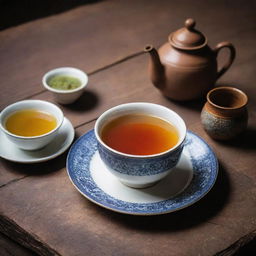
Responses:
[24,238]
[92,36]
[244,246]
[39,201]
[128,82]
[10,248]
[211,225]
[229,212]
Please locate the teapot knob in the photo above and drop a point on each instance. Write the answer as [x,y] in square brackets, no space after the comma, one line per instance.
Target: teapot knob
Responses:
[190,23]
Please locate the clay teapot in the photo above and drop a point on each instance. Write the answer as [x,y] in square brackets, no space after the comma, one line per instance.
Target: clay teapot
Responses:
[185,67]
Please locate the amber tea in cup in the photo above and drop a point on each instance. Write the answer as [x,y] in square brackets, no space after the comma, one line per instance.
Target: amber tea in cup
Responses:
[137,134]
[30,122]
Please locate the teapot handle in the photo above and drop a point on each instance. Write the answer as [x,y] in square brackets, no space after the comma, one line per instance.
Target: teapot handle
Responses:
[232,56]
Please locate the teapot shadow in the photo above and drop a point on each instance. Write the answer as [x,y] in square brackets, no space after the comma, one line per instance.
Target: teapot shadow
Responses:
[219,84]
[194,215]
[196,105]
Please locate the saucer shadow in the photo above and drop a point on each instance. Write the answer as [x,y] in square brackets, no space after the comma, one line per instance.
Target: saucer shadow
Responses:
[87,101]
[37,169]
[201,211]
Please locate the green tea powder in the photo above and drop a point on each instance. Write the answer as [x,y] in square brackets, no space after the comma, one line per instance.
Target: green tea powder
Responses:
[64,82]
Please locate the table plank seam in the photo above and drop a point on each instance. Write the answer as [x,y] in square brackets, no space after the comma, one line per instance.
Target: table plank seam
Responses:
[221,225]
[13,181]
[25,176]
[85,123]
[75,227]
[238,244]
[21,236]
[110,65]
[118,61]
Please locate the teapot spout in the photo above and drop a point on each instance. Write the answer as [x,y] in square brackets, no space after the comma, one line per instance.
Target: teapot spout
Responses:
[156,68]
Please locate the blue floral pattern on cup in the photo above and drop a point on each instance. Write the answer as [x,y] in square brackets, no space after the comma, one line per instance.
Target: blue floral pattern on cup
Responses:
[139,166]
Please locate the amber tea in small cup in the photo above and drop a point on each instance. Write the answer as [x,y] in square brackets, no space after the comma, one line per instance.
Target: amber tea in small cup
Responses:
[30,122]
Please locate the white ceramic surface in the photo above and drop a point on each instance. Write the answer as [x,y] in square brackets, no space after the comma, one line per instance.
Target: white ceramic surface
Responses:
[170,186]
[66,96]
[59,145]
[140,171]
[33,142]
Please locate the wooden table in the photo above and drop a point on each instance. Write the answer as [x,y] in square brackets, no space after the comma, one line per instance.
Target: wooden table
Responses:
[39,207]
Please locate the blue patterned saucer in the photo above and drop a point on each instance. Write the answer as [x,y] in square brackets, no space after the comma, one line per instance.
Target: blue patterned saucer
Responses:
[187,183]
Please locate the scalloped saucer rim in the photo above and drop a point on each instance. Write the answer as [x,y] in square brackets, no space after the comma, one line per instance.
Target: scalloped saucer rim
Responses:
[59,145]
[83,160]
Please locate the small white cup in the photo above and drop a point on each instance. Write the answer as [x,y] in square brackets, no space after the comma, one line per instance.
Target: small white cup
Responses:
[32,142]
[66,96]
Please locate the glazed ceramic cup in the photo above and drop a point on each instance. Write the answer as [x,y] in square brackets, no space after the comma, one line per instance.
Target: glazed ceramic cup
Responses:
[33,142]
[140,171]
[225,115]
[66,96]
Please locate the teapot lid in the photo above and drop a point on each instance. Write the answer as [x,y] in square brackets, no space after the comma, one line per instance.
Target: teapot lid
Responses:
[188,38]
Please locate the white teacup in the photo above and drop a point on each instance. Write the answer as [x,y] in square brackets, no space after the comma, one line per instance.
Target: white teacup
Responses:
[140,171]
[31,142]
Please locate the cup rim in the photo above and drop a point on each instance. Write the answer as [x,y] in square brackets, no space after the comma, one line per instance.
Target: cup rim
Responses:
[227,89]
[30,137]
[182,138]
[65,69]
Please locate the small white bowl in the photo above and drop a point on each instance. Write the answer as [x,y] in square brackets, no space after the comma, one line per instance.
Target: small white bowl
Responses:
[66,96]
[32,142]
